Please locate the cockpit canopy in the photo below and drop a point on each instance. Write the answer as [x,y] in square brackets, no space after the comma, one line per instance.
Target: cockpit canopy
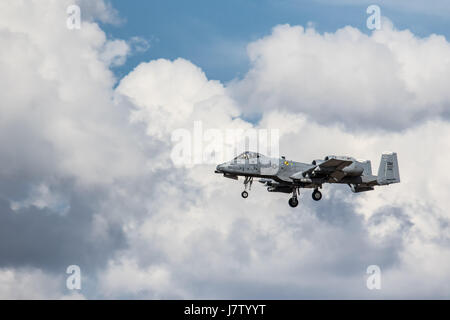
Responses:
[247,155]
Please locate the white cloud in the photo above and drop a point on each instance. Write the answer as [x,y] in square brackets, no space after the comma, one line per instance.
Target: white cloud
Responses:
[126,278]
[140,44]
[170,95]
[389,80]
[56,113]
[42,197]
[115,53]
[32,284]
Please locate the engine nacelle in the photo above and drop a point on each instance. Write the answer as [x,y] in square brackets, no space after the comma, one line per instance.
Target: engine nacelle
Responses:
[353,170]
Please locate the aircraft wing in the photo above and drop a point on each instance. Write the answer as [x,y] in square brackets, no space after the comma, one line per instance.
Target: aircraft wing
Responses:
[333,166]
[336,163]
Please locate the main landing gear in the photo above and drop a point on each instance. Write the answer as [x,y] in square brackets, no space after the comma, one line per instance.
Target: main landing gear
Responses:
[316,195]
[247,182]
[293,202]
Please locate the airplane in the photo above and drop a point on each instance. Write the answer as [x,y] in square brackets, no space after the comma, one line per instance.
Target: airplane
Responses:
[286,176]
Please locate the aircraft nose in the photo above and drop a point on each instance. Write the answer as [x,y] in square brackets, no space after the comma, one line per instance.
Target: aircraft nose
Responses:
[221,168]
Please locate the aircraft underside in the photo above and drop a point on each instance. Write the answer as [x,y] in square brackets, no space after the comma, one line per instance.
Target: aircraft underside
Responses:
[275,184]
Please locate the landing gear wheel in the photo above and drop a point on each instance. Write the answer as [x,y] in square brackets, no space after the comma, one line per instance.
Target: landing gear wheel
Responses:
[244,194]
[317,195]
[293,202]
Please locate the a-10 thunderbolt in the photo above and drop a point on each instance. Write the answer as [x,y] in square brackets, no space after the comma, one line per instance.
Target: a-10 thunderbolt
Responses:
[281,175]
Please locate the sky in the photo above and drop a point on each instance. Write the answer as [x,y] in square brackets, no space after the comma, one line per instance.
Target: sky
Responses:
[88,118]
[214,34]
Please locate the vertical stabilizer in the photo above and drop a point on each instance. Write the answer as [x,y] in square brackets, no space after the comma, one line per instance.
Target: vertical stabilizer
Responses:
[388,171]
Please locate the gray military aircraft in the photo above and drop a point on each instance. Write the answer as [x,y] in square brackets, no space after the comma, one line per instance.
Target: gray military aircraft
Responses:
[281,175]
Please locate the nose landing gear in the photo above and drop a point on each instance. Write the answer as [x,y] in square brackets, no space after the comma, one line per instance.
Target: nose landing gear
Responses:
[247,182]
[293,202]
